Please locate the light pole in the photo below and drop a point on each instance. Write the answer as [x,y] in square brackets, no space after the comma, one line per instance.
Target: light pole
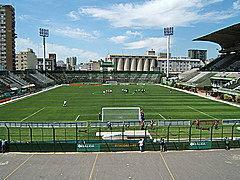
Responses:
[168,31]
[44,33]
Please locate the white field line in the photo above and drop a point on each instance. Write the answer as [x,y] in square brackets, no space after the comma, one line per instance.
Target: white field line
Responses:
[32,114]
[169,171]
[7,177]
[90,176]
[162,116]
[203,96]
[77,117]
[29,95]
[202,112]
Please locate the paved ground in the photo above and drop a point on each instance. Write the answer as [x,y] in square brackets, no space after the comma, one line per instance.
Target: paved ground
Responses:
[183,165]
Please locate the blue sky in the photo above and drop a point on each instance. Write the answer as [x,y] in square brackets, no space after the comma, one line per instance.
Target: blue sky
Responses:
[91,29]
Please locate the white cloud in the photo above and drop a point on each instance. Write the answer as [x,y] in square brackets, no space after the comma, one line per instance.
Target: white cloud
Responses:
[134,33]
[118,39]
[158,44]
[236,5]
[75,33]
[159,13]
[63,30]
[62,51]
[122,38]
[74,15]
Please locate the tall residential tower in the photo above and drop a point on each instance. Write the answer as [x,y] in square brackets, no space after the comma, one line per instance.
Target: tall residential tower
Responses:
[7,37]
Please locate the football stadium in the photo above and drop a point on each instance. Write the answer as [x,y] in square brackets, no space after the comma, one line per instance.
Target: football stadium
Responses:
[129,120]
[74,106]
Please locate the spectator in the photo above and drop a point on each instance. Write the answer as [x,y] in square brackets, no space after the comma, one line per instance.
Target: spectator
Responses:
[141,145]
[151,124]
[99,116]
[3,148]
[142,119]
[109,125]
[227,147]
[162,145]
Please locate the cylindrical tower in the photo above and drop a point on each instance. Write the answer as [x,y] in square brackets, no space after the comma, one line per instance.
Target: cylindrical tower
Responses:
[140,65]
[146,65]
[120,64]
[152,65]
[133,64]
[127,64]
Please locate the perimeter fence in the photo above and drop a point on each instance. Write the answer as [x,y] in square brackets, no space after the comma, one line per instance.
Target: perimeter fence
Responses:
[169,130]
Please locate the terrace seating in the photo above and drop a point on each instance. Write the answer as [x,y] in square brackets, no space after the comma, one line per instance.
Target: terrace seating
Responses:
[17,79]
[186,76]
[86,76]
[197,77]
[39,79]
[228,63]
[9,82]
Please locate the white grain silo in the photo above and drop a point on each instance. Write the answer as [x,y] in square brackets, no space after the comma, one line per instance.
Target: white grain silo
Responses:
[146,65]
[133,64]
[140,65]
[152,65]
[120,64]
[127,64]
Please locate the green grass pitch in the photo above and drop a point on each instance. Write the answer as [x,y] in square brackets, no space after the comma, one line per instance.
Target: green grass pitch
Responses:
[87,102]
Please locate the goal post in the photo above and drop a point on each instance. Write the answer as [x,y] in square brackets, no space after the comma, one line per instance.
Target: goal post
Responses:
[120,114]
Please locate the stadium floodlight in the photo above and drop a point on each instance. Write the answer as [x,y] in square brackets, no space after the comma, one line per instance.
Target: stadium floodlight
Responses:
[44,33]
[168,31]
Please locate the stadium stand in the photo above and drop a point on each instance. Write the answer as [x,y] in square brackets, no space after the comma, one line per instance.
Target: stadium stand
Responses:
[224,63]
[222,74]
[225,79]
[102,77]
[197,79]
[18,83]
[39,79]
[229,40]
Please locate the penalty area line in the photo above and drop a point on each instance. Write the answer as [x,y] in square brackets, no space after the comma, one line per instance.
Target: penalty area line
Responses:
[33,114]
[162,116]
[77,117]
[202,112]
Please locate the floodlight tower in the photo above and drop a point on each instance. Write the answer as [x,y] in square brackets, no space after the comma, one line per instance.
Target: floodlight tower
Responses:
[168,32]
[44,33]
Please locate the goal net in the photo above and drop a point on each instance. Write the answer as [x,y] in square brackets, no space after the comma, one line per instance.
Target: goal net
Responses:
[120,114]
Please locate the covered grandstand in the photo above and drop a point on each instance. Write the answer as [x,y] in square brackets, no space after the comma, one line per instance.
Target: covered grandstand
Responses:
[222,75]
[229,40]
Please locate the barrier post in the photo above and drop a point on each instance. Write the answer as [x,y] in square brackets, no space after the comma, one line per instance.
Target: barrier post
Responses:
[211,135]
[53,137]
[179,134]
[168,132]
[123,130]
[190,133]
[76,133]
[20,133]
[222,132]
[134,130]
[233,129]
[65,132]
[100,135]
[8,130]
[42,133]
[30,133]
[201,134]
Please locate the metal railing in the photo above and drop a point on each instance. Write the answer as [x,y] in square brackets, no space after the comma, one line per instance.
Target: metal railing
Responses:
[75,131]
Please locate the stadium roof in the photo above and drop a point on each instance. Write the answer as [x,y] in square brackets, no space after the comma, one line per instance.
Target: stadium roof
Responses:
[228,37]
